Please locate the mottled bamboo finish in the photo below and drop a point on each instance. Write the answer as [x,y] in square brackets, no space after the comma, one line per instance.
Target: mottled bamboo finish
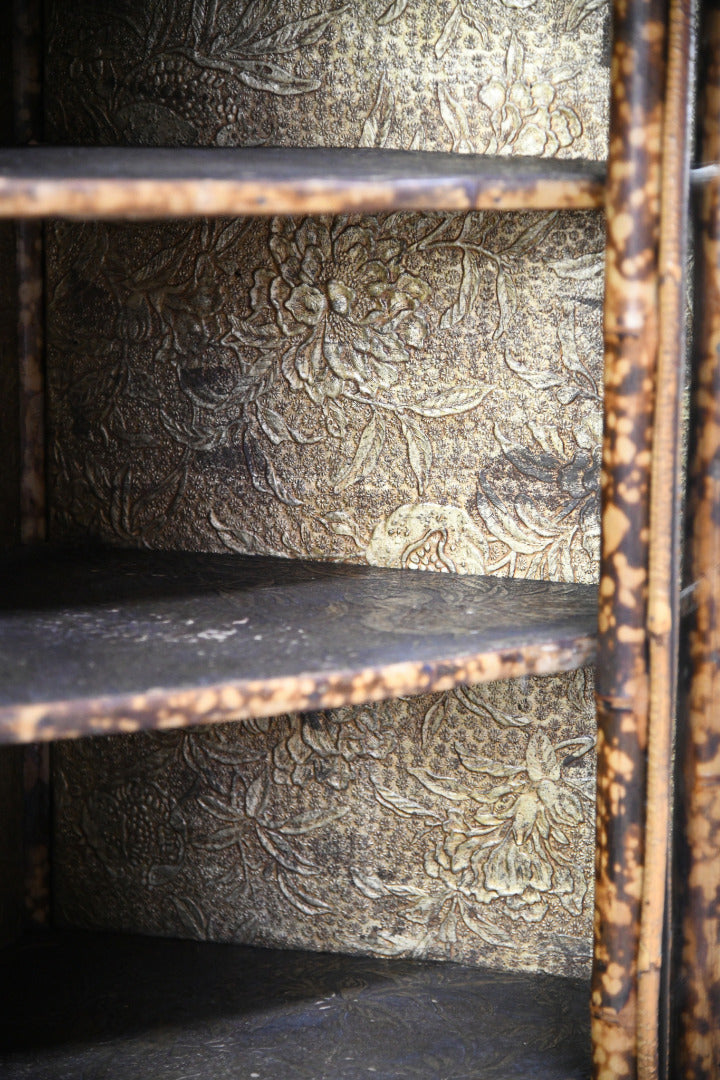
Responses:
[136,183]
[699,985]
[631,338]
[664,558]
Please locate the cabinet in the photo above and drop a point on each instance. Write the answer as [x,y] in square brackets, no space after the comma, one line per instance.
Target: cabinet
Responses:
[101,641]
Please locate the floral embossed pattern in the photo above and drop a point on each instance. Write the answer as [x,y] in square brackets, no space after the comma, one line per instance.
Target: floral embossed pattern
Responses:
[332,387]
[434,826]
[518,76]
[413,390]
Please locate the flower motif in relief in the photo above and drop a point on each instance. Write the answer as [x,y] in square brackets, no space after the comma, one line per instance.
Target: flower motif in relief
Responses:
[325,748]
[528,117]
[516,845]
[339,305]
[135,829]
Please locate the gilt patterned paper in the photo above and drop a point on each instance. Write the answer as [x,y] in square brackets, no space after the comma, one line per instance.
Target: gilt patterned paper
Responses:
[414,390]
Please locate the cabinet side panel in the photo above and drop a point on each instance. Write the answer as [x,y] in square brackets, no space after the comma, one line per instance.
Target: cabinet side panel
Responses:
[11,844]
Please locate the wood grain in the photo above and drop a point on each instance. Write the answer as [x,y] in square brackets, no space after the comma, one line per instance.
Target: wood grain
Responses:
[121,641]
[130,182]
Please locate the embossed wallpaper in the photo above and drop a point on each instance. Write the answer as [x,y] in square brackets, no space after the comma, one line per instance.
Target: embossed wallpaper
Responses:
[416,390]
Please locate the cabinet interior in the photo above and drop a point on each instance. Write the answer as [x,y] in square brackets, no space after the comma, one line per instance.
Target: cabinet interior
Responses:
[312,497]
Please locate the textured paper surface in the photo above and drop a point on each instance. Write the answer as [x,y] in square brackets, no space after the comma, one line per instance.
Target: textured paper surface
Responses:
[416,390]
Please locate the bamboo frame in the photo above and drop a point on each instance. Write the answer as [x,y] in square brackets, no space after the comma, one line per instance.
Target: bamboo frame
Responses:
[664,555]
[698,1055]
[631,342]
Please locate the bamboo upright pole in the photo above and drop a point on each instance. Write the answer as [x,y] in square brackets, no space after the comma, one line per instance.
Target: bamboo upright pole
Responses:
[664,555]
[631,341]
[698,987]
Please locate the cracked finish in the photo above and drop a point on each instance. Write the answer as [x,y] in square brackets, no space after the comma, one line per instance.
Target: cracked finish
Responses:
[699,993]
[631,335]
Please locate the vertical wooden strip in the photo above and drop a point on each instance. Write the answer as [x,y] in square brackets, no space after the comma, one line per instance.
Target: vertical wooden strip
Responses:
[664,556]
[631,340]
[27,46]
[27,116]
[698,988]
[29,253]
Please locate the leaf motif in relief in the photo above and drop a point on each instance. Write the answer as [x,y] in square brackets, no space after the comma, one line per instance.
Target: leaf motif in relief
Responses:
[393,12]
[294,35]
[450,29]
[486,766]
[266,75]
[418,140]
[366,456]
[191,917]
[541,759]
[401,804]
[478,24]
[256,797]
[419,450]
[514,60]
[450,402]
[433,720]
[539,380]
[376,129]
[263,474]
[239,540]
[506,295]
[310,820]
[301,899]
[579,10]
[199,18]
[473,702]
[253,14]
[530,237]
[444,786]
[580,268]
[343,524]
[455,120]
[570,355]
[369,884]
[468,294]
[493,935]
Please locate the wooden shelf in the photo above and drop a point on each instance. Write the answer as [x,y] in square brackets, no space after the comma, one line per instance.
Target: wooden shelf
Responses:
[85,1006]
[135,182]
[116,641]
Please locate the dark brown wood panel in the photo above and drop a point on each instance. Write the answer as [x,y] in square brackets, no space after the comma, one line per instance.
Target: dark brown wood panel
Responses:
[124,640]
[11,842]
[84,1005]
[159,183]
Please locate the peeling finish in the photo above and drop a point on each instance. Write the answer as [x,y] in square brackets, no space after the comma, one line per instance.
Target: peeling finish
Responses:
[631,335]
[115,643]
[157,183]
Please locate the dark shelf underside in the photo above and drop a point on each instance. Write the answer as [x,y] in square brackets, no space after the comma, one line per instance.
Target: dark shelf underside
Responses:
[134,182]
[104,641]
[85,1007]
